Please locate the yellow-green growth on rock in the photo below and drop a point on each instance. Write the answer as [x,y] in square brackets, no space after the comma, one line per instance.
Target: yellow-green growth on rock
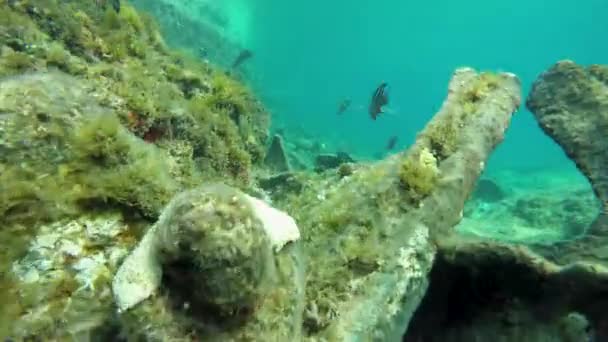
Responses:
[419,173]
[61,150]
[481,87]
[369,234]
[157,94]
[442,135]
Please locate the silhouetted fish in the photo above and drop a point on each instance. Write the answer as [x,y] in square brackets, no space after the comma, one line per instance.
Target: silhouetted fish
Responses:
[115,4]
[379,99]
[344,106]
[242,57]
[392,141]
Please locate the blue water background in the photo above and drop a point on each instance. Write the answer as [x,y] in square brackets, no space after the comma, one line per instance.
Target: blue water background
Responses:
[311,54]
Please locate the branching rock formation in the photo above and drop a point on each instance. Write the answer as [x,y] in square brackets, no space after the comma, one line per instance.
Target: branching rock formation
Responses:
[482,289]
[370,236]
[367,240]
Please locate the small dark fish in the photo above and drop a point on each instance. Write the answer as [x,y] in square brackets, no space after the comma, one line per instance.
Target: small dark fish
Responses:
[242,57]
[379,99]
[343,106]
[115,4]
[392,142]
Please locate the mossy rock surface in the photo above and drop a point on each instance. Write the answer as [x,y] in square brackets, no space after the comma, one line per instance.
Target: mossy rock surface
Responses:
[98,114]
[158,94]
[62,153]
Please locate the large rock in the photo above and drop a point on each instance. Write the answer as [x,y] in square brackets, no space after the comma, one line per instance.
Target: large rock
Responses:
[570,103]
[368,238]
[369,235]
[534,292]
[276,157]
[211,256]
[481,289]
[60,148]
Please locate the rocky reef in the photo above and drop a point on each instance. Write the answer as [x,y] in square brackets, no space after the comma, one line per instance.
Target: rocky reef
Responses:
[367,237]
[101,125]
[95,89]
[136,193]
[570,103]
[488,288]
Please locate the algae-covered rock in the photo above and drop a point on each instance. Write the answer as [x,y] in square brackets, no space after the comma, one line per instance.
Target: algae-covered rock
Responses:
[61,149]
[369,239]
[534,291]
[218,252]
[483,290]
[276,157]
[370,234]
[157,94]
[570,103]
[61,285]
[98,116]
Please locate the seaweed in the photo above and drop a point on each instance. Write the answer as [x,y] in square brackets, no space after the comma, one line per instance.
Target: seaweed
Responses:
[97,116]
[418,173]
[157,89]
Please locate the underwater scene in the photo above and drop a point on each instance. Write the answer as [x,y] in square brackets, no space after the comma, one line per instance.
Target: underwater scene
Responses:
[264,170]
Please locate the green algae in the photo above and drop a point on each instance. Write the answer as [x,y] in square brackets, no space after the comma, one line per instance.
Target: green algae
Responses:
[442,136]
[97,114]
[125,56]
[419,174]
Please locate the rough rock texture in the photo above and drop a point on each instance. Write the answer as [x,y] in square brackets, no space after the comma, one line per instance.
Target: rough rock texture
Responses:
[483,290]
[177,102]
[214,248]
[570,103]
[60,148]
[369,234]
[276,157]
[99,117]
[61,284]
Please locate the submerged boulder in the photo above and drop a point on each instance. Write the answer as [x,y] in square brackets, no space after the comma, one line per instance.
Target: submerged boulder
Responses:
[60,149]
[570,103]
[212,254]
[484,289]
[481,290]
[369,235]
[276,157]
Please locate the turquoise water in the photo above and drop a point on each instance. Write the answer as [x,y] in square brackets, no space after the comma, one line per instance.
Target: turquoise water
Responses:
[311,54]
